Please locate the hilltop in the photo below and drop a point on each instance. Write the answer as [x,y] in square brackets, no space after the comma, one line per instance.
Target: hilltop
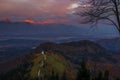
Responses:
[76,51]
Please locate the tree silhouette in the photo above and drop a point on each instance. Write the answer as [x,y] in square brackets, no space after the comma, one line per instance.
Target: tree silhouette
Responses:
[117,79]
[100,76]
[107,11]
[106,75]
[83,72]
[64,77]
[54,76]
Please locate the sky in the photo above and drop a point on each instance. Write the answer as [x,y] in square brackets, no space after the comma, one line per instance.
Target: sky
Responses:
[42,11]
[58,10]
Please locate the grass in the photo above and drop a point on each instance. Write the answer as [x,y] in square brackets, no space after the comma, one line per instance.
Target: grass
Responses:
[53,63]
[36,64]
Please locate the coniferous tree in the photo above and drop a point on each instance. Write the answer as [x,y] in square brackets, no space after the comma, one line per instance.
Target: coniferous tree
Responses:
[52,75]
[100,76]
[83,72]
[78,75]
[64,77]
[56,76]
[106,75]
[117,79]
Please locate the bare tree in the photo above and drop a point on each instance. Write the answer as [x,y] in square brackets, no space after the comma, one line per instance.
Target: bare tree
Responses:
[107,11]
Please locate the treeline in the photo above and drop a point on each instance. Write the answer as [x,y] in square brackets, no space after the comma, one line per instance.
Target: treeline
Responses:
[86,74]
[16,74]
[83,73]
[53,76]
[20,73]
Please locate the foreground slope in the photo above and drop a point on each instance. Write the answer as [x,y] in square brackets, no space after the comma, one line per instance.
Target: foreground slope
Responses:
[54,62]
[54,65]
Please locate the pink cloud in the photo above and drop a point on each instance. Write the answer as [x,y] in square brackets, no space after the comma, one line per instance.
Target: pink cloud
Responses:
[39,9]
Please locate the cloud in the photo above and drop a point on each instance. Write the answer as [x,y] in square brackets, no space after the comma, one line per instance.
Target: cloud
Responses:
[29,21]
[6,20]
[74,5]
[21,7]
[36,9]
[42,22]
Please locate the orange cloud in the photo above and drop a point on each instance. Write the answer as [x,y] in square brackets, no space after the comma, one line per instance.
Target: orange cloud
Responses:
[29,21]
[6,20]
[47,22]
[43,22]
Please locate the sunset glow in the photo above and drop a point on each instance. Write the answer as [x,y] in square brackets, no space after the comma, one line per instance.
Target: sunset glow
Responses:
[6,20]
[38,10]
[42,22]
[46,22]
[29,21]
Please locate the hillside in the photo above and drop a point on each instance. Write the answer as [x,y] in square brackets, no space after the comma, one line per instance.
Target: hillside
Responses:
[53,62]
[54,65]
[65,58]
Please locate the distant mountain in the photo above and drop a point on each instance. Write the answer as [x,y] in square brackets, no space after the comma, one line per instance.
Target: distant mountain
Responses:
[53,32]
[12,48]
[40,31]
[111,44]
